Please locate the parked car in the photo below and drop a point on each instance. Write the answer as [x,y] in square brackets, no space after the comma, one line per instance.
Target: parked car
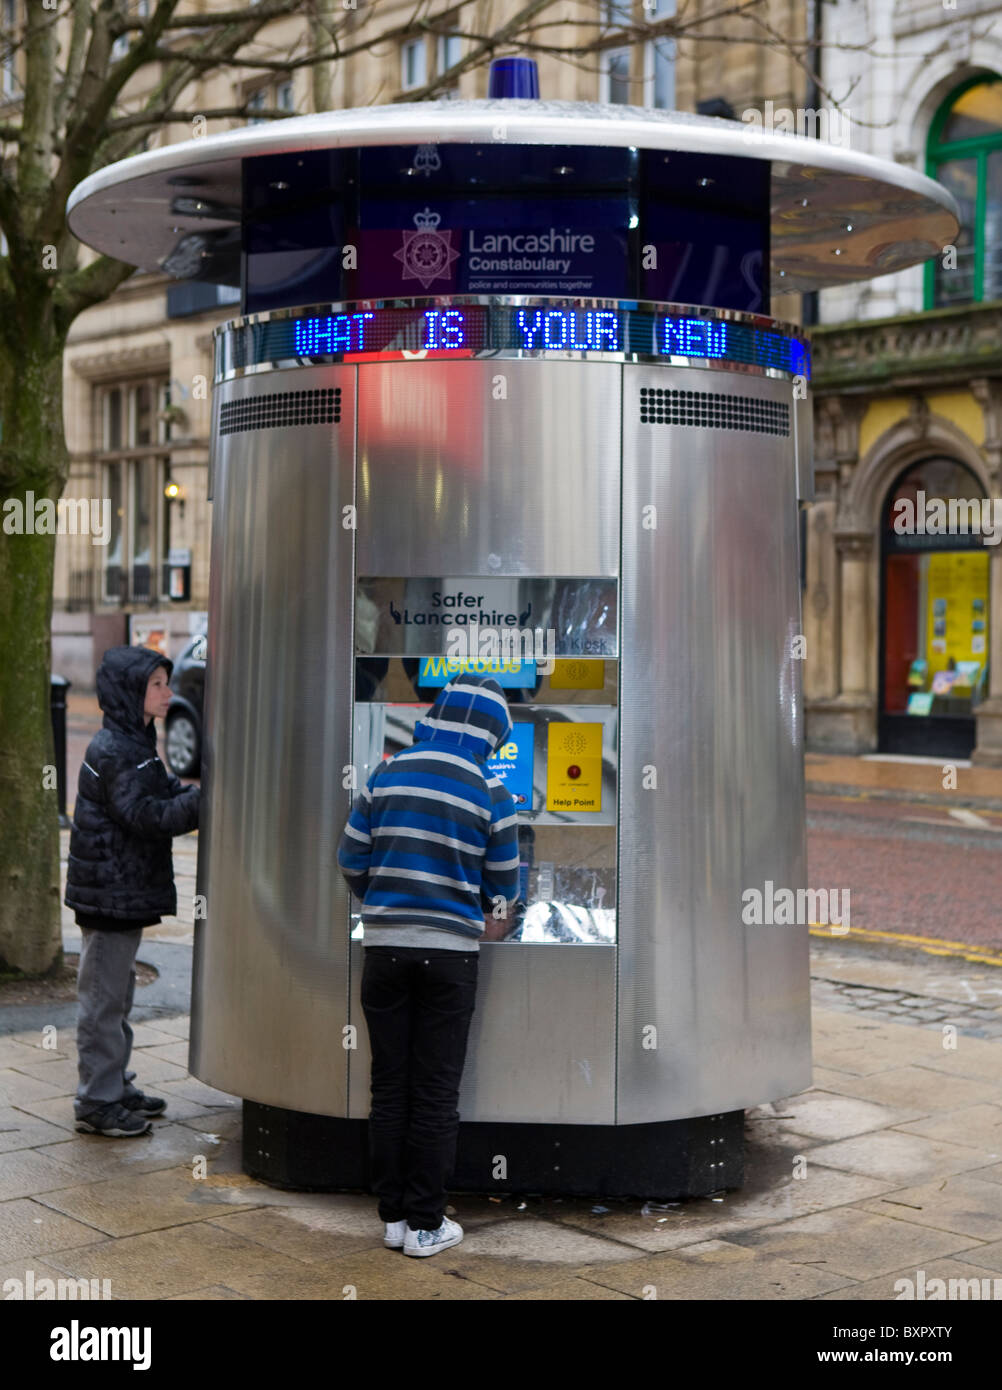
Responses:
[183,736]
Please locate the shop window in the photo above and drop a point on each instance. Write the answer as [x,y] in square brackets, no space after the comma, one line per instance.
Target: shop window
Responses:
[935,593]
[965,155]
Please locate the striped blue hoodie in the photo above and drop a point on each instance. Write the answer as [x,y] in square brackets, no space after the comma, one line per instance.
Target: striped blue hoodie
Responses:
[433,838]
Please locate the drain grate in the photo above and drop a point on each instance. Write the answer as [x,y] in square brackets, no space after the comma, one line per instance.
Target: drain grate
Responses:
[282,409]
[713,410]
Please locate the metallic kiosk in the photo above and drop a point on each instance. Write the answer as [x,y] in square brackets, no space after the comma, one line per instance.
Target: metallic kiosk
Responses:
[507,364]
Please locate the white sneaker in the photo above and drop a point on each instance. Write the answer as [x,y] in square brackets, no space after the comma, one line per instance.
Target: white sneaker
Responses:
[422,1243]
[393,1237]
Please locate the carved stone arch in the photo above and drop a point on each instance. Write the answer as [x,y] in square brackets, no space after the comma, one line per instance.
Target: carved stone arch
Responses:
[921,436]
[933,81]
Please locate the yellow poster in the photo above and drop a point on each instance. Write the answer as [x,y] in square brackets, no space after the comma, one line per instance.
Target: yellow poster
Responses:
[574,767]
[576,673]
[957,609]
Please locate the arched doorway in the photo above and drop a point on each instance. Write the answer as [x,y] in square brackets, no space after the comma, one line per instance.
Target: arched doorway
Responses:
[934,619]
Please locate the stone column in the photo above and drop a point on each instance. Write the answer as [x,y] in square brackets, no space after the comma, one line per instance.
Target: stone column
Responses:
[841,705]
[988,715]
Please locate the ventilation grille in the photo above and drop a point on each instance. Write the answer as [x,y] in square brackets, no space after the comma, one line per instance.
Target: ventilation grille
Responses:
[712,410]
[279,411]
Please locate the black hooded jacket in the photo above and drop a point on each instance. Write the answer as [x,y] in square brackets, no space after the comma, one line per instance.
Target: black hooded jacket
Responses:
[128,806]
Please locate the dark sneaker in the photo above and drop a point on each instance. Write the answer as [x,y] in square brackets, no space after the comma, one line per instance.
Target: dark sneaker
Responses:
[114,1122]
[144,1105]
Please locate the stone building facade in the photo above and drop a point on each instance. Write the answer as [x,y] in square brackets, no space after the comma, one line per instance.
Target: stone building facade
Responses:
[902,628]
[138,367]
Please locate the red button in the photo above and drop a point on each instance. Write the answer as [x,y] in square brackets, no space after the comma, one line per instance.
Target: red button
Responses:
[574,771]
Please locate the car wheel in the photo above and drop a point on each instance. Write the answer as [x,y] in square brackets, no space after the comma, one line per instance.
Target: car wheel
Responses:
[183,745]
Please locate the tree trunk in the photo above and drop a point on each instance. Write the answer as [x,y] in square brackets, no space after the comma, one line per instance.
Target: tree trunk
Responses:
[32,460]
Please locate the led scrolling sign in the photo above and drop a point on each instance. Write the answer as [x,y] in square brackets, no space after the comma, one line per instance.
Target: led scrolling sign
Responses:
[477,328]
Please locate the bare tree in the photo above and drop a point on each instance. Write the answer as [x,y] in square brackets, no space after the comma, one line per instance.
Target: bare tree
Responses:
[82,64]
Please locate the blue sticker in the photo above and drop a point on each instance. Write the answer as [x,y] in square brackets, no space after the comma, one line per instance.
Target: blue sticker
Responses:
[512,765]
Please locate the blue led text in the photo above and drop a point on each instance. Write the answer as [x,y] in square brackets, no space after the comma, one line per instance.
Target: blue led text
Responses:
[578,330]
[693,338]
[339,333]
[445,328]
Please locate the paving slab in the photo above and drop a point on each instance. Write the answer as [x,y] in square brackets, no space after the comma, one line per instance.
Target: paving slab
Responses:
[26,1172]
[130,1204]
[716,1269]
[988,1256]
[175,1051]
[526,1252]
[890,1154]
[28,1228]
[94,1157]
[14,1052]
[882,1289]
[922,1090]
[965,1203]
[158,1264]
[177,1025]
[859,1244]
[382,1275]
[311,1234]
[978,1125]
[217,1293]
[567,1290]
[21,1130]
[697,1221]
[16,1088]
[197,1092]
[822,1114]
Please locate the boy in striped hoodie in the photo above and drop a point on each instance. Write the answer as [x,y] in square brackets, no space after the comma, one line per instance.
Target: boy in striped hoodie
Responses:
[430,847]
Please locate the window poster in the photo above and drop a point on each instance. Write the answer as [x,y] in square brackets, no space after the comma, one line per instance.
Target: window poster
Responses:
[957,615]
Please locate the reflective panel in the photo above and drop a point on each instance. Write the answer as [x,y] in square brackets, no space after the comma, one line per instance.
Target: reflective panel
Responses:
[573,617]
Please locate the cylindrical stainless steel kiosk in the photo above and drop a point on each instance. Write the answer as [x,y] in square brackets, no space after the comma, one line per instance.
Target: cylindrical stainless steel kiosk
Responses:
[505,367]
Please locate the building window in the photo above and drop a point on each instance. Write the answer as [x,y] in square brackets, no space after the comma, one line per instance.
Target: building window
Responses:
[278,96]
[413,64]
[659,60]
[965,155]
[257,102]
[135,463]
[449,50]
[614,71]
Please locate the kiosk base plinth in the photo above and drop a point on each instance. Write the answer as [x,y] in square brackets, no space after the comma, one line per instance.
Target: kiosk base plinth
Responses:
[662,1161]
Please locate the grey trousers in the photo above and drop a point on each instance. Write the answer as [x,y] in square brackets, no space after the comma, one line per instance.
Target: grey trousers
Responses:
[106,981]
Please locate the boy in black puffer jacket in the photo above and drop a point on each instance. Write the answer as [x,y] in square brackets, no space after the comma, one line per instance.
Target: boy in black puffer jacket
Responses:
[120,879]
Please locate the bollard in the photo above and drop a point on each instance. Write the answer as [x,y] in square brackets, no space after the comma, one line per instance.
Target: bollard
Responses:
[58,687]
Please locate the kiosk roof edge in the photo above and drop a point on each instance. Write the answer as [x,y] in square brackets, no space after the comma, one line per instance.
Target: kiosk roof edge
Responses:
[899,217]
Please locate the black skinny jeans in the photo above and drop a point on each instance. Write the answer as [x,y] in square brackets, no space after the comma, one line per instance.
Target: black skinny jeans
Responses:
[418,1005]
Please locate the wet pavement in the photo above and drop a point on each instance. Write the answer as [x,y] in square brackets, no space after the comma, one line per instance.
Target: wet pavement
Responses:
[889,1165]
